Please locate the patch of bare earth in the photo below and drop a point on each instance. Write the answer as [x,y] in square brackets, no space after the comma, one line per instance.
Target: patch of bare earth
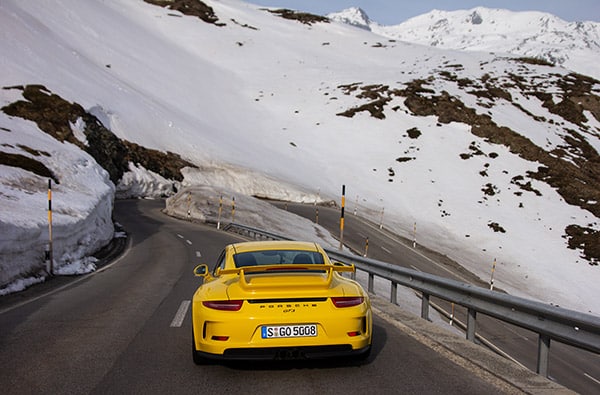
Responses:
[54,116]
[27,163]
[195,8]
[572,169]
[302,17]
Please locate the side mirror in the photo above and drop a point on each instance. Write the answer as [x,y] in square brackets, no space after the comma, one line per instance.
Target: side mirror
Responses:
[201,270]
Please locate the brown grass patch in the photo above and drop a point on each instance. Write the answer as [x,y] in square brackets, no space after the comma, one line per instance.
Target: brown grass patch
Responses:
[302,17]
[54,116]
[28,164]
[190,7]
[572,169]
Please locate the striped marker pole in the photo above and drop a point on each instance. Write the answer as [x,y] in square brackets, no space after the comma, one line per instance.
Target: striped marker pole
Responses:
[366,247]
[317,215]
[220,210]
[342,217]
[232,209]
[49,252]
[492,279]
[189,205]
[415,235]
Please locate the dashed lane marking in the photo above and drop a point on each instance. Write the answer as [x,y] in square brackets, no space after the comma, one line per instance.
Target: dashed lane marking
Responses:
[591,378]
[180,315]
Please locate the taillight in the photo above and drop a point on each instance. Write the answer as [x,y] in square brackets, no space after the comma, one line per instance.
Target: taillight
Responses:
[227,305]
[347,301]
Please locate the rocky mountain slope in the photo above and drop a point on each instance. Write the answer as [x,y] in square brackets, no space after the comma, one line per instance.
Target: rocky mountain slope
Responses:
[489,156]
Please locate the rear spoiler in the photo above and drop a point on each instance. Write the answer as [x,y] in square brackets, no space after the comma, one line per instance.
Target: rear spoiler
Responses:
[272,269]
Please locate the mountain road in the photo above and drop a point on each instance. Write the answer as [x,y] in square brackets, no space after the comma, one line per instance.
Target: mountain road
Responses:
[126,329]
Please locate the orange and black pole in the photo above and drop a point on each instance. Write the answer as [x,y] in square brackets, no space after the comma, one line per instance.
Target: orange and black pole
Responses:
[233,209]
[220,210]
[342,217]
[49,252]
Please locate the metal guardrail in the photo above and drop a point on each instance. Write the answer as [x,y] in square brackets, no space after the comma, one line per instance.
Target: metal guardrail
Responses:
[549,322]
[252,232]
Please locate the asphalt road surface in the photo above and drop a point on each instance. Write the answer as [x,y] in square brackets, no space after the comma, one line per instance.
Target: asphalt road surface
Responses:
[126,329]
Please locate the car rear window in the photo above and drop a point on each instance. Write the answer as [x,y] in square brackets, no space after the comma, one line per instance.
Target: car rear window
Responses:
[276,257]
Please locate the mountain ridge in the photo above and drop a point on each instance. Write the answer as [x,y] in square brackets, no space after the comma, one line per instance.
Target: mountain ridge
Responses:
[527,33]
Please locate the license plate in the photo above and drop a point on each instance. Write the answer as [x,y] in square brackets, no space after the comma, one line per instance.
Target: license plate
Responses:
[279,331]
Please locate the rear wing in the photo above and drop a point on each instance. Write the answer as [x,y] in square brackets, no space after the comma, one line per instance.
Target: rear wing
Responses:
[287,268]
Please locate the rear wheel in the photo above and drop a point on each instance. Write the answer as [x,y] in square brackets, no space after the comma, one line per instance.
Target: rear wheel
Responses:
[365,355]
[196,356]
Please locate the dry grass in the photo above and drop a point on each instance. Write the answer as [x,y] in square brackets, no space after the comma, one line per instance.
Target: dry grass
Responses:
[27,163]
[54,116]
[573,169]
[190,7]
[302,17]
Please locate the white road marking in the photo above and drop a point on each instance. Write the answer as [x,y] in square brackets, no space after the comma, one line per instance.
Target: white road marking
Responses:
[180,315]
[386,250]
[189,242]
[198,254]
[591,378]
[180,236]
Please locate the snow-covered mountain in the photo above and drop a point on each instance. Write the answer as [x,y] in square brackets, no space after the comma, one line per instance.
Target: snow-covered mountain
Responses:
[574,45]
[490,156]
[354,16]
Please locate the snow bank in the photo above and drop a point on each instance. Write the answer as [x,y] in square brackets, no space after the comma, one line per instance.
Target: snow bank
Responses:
[139,182]
[222,205]
[81,206]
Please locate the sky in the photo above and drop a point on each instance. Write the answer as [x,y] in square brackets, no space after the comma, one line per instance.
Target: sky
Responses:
[391,12]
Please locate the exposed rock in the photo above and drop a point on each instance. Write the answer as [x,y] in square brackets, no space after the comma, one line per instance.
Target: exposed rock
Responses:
[54,116]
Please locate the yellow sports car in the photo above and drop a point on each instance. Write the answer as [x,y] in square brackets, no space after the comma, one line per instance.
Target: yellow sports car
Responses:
[278,300]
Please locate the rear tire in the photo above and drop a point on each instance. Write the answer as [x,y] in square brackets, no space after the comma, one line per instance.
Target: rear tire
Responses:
[196,356]
[365,355]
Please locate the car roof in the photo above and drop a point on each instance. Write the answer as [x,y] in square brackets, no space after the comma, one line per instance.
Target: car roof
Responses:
[249,246]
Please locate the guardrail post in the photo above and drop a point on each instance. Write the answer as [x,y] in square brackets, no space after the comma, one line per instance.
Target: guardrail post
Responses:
[371,280]
[543,351]
[471,323]
[425,306]
[394,293]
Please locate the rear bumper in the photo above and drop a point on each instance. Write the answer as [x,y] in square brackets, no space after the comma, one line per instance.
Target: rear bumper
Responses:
[232,335]
[288,353]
